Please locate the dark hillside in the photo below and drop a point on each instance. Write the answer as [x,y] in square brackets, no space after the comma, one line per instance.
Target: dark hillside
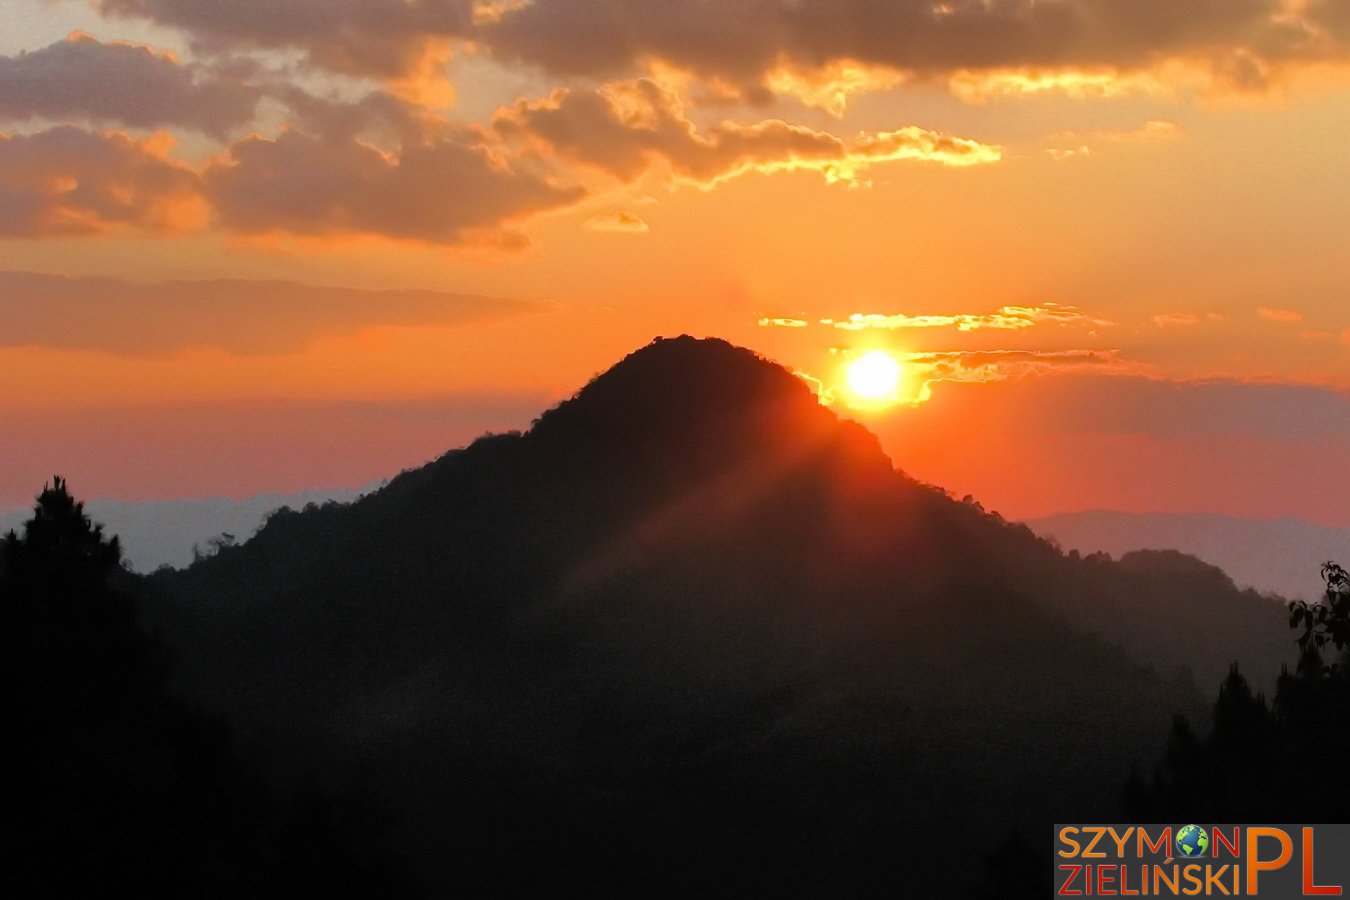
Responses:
[692,632]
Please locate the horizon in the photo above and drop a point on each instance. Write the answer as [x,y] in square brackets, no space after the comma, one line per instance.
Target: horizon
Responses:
[465,423]
[379,481]
[1275,556]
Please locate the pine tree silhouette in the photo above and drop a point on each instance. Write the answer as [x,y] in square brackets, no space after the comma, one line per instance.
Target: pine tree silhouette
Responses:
[113,785]
[1266,761]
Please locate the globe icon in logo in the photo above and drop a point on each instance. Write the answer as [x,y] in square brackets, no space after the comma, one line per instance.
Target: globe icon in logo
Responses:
[1192,840]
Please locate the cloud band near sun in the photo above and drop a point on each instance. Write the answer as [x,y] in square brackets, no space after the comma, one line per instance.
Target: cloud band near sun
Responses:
[1010,318]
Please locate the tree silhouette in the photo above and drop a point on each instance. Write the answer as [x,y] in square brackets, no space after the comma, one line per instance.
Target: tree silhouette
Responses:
[113,785]
[1266,761]
[1327,622]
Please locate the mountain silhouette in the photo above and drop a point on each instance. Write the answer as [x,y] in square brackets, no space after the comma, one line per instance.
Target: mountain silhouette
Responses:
[1280,556]
[693,632]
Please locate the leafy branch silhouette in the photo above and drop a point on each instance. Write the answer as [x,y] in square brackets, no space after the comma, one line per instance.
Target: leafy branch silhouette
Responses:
[1326,621]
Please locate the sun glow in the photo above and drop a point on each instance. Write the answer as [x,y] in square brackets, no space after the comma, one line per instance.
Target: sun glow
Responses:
[874,378]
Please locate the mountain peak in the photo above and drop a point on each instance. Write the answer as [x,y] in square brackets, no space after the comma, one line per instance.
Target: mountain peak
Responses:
[699,406]
[675,377]
[683,386]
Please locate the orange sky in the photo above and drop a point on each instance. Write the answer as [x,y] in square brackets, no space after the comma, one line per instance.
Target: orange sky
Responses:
[252,247]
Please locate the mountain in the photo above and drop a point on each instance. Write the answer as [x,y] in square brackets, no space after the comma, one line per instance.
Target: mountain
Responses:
[693,633]
[1279,556]
[168,532]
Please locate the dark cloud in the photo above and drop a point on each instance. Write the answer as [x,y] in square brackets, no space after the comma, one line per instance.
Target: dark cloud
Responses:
[1331,14]
[246,317]
[443,190]
[624,129]
[378,115]
[123,83]
[435,182]
[381,38]
[742,40]
[67,181]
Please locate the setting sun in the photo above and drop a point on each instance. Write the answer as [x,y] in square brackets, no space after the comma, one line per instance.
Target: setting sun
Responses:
[874,377]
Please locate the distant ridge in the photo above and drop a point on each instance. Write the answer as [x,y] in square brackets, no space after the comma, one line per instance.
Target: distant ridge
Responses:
[158,533]
[1281,556]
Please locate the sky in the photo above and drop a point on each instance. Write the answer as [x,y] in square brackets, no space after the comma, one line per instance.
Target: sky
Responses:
[270,245]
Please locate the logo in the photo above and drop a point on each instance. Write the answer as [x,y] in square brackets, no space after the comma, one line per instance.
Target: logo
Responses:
[1202,860]
[1192,840]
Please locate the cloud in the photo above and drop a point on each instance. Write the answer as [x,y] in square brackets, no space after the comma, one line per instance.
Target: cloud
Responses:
[742,41]
[830,86]
[625,129]
[379,38]
[429,181]
[1153,130]
[443,190]
[67,181]
[619,222]
[977,366]
[377,117]
[981,86]
[1006,317]
[747,37]
[922,370]
[1175,320]
[237,316]
[756,48]
[1080,143]
[128,84]
[1275,314]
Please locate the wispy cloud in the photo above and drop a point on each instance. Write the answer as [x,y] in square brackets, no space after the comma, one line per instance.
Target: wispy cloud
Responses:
[1276,314]
[981,366]
[618,222]
[922,371]
[626,129]
[1182,320]
[244,317]
[1078,144]
[1011,318]
[979,86]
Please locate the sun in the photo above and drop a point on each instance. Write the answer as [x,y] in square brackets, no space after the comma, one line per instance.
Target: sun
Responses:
[874,377]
